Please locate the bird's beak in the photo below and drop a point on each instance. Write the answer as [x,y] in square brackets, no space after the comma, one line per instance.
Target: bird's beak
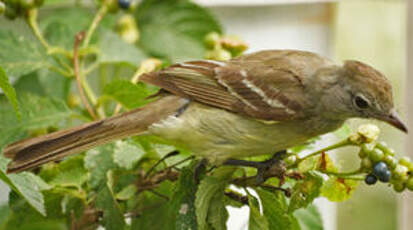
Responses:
[394,120]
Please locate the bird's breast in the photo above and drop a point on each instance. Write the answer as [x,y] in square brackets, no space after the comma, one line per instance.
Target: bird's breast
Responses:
[218,135]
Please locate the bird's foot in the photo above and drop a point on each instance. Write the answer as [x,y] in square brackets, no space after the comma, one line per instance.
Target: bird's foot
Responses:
[272,166]
[200,169]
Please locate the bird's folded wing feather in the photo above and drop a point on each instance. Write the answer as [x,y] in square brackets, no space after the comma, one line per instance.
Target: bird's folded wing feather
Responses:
[247,90]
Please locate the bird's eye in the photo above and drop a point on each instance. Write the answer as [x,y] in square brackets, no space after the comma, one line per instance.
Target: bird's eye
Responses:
[361,102]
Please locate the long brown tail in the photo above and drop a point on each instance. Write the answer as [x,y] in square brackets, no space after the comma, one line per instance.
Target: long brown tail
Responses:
[29,153]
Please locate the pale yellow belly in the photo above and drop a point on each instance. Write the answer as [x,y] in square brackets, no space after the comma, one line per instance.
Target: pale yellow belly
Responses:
[218,135]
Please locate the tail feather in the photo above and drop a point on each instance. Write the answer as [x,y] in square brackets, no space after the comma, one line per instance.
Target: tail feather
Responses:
[29,153]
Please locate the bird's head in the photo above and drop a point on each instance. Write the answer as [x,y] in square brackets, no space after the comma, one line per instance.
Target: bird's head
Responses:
[368,94]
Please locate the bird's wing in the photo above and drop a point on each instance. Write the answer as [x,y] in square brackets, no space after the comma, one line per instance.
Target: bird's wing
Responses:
[250,89]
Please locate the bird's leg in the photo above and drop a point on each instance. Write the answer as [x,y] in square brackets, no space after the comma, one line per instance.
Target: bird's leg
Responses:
[171,154]
[261,166]
[200,169]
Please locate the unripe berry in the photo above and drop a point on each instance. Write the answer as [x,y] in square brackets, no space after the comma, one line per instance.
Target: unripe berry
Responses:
[2,8]
[409,183]
[376,155]
[400,172]
[291,160]
[11,12]
[38,3]
[27,4]
[219,55]
[212,39]
[366,163]
[370,179]
[365,150]
[383,147]
[390,161]
[405,161]
[399,187]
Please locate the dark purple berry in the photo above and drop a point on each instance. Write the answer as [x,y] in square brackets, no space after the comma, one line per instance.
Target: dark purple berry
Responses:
[370,179]
[385,177]
[380,169]
[124,4]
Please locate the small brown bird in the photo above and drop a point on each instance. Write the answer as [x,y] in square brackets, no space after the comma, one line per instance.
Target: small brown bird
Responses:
[256,104]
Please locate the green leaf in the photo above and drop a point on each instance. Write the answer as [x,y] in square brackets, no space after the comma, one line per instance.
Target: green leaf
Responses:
[309,218]
[208,188]
[26,184]
[5,213]
[174,29]
[70,173]
[126,154]
[37,113]
[256,221]
[127,192]
[112,215]
[305,191]
[217,213]
[322,163]
[114,50]
[19,55]
[9,92]
[153,211]
[25,218]
[99,161]
[338,189]
[276,210]
[126,93]
[182,204]
[53,84]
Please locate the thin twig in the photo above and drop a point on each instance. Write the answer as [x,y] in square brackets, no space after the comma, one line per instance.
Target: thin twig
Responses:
[237,197]
[78,39]
[32,21]
[96,20]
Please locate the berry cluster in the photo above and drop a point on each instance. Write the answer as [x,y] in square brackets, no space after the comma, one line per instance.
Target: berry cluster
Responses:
[380,163]
[15,8]
[223,48]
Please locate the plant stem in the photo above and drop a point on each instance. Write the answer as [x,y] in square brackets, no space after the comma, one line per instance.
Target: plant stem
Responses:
[96,20]
[79,78]
[31,19]
[355,175]
[340,144]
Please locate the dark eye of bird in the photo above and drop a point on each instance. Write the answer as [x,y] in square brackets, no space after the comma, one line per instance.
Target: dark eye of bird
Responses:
[361,103]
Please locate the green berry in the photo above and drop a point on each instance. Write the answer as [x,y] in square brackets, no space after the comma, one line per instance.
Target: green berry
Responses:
[390,161]
[405,161]
[409,183]
[2,7]
[366,163]
[400,172]
[27,4]
[399,187]
[291,159]
[11,12]
[219,55]
[376,155]
[366,149]
[212,39]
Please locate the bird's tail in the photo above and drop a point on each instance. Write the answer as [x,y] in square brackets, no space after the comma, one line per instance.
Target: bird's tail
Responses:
[29,153]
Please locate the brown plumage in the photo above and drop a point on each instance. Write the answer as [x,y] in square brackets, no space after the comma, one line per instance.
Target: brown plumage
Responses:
[255,104]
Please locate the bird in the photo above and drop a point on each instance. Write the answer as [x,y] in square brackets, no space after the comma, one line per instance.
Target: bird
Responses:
[255,104]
